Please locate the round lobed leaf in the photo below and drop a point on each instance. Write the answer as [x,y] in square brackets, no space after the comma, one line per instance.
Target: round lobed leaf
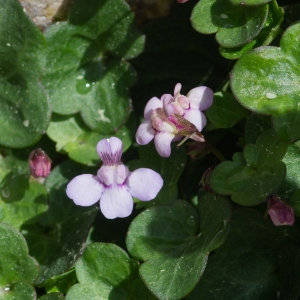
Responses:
[251,181]
[167,239]
[235,25]
[264,80]
[24,107]
[18,270]
[105,271]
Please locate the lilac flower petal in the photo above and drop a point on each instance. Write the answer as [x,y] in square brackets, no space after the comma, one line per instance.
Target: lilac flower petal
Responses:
[144,184]
[177,89]
[200,97]
[152,104]
[166,98]
[162,141]
[116,203]
[145,133]
[85,190]
[110,150]
[196,117]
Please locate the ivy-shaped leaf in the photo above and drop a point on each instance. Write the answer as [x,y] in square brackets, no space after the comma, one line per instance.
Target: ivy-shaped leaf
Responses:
[234,25]
[24,107]
[251,181]
[86,71]
[265,81]
[21,201]
[18,270]
[105,271]
[167,239]
[265,36]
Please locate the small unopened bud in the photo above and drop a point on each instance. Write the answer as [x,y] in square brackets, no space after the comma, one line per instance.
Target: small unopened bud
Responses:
[39,163]
[280,212]
[182,1]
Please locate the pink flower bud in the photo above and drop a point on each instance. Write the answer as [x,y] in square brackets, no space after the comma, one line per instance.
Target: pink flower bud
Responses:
[280,212]
[39,163]
[182,1]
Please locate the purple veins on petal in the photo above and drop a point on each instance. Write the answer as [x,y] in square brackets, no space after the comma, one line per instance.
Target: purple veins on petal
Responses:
[85,190]
[116,202]
[144,184]
[110,150]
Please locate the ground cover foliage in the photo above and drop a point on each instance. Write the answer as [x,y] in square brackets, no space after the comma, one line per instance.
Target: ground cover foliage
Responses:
[207,234]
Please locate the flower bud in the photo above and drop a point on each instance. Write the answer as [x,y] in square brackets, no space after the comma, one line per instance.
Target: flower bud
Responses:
[39,163]
[280,212]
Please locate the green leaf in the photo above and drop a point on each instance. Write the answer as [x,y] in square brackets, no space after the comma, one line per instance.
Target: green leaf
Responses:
[24,107]
[292,180]
[21,201]
[86,71]
[270,262]
[268,148]
[264,82]
[58,241]
[74,137]
[295,202]
[265,36]
[61,283]
[18,270]
[249,2]
[252,181]
[225,111]
[105,271]
[52,296]
[235,25]
[167,238]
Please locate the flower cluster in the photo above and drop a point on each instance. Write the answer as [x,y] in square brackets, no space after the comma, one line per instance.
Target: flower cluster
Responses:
[114,185]
[170,118]
[167,119]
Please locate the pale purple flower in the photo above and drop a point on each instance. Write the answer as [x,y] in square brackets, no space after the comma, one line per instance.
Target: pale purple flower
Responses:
[162,117]
[114,185]
[280,212]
